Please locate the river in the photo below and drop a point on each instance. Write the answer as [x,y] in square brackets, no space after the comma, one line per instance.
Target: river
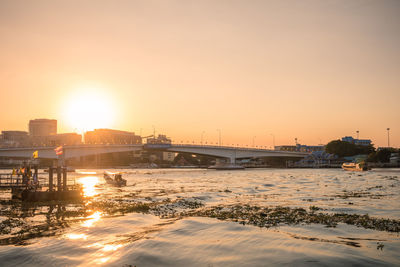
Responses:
[196,217]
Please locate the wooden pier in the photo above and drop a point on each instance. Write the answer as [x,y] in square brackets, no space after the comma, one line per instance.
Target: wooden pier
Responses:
[29,187]
[8,181]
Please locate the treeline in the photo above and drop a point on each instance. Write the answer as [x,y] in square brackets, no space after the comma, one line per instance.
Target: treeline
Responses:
[346,149]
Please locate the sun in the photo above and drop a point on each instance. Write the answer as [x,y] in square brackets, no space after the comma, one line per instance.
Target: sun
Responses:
[89,109]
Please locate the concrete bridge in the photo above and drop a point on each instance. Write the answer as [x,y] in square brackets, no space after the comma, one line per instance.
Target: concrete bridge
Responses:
[69,151]
[230,153]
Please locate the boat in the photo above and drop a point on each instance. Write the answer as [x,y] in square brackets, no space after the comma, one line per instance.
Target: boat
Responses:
[114,179]
[352,166]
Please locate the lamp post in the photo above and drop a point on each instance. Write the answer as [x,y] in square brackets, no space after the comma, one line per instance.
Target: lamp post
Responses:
[357,133]
[388,129]
[219,131]
[254,140]
[202,133]
[273,140]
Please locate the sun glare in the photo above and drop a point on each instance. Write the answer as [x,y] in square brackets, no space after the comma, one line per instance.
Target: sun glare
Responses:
[89,185]
[88,110]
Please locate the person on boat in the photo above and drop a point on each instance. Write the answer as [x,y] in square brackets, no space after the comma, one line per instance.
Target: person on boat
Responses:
[14,172]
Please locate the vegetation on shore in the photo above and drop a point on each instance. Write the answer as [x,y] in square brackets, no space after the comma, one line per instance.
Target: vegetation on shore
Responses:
[346,149]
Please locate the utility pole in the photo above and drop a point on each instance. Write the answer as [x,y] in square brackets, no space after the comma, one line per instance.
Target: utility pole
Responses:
[388,129]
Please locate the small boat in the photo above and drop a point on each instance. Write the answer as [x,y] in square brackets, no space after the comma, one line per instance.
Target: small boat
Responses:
[351,166]
[114,179]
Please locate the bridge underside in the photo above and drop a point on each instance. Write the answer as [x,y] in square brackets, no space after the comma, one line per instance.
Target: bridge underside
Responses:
[234,153]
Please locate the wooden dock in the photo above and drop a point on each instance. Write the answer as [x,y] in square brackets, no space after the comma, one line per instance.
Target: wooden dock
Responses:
[8,181]
[30,187]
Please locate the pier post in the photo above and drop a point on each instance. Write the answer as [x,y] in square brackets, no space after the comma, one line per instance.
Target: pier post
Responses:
[36,176]
[51,179]
[59,178]
[64,176]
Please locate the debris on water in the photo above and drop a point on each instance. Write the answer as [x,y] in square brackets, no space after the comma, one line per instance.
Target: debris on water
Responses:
[314,208]
[268,217]
[379,246]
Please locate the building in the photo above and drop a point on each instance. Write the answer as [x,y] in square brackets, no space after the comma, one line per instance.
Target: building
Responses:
[361,142]
[168,156]
[395,158]
[14,138]
[42,127]
[317,159]
[108,136]
[300,148]
[161,139]
[67,139]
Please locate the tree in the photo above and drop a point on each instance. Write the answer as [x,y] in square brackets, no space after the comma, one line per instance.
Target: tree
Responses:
[341,148]
[382,155]
[346,149]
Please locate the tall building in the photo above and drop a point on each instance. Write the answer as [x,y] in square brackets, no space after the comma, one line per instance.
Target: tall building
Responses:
[42,127]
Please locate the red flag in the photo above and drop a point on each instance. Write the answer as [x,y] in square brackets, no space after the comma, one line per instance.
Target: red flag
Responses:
[59,150]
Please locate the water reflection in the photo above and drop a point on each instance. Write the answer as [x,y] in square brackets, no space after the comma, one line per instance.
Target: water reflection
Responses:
[111,247]
[89,185]
[92,219]
[103,260]
[76,236]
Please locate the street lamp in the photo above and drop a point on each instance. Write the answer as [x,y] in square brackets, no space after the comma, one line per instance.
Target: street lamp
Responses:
[357,134]
[254,140]
[273,139]
[388,129]
[219,130]
[202,133]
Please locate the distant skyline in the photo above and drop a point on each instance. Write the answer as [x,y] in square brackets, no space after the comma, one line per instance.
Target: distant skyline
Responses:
[311,70]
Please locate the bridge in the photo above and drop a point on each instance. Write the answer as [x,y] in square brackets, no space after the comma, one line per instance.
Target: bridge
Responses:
[230,153]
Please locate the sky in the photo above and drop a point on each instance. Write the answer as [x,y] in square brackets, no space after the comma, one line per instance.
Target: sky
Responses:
[253,71]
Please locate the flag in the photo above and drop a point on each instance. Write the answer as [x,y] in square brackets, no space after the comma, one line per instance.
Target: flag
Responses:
[59,150]
[35,154]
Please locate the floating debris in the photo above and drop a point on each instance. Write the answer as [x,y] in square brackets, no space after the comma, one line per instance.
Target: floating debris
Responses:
[269,217]
[379,246]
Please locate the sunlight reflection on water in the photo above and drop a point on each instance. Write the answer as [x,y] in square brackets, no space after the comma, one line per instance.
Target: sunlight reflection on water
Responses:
[73,236]
[92,219]
[89,185]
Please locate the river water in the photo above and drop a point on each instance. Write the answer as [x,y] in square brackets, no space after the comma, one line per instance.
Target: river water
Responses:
[195,217]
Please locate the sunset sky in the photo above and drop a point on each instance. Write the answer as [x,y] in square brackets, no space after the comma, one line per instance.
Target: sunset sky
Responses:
[312,70]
